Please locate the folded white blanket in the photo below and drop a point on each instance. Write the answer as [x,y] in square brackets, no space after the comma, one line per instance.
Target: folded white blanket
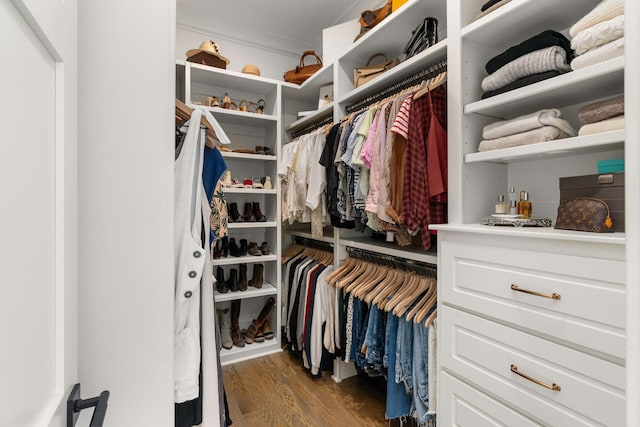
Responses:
[543,134]
[550,117]
[539,61]
[614,123]
[606,9]
[600,54]
[598,35]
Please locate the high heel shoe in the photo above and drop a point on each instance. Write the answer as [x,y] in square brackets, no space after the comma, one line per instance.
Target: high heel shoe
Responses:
[244,106]
[260,106]
[226,101]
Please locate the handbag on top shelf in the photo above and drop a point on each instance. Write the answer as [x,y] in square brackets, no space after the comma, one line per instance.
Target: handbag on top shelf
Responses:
[369,72]
[302,72]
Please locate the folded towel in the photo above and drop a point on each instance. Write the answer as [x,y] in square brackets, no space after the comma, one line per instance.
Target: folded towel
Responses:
[598,35]
[547,59]
[525,81]
[492,8]
[600,54]
[614,123]
[527,122]
[540,41]
[602,110]
[543,134]
[488,4]
[606,9]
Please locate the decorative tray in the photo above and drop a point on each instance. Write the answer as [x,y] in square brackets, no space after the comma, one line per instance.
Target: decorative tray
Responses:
[515,222]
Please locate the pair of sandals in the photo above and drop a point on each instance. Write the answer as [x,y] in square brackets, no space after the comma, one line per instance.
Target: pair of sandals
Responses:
[259,330]
[227,103]
[265,333]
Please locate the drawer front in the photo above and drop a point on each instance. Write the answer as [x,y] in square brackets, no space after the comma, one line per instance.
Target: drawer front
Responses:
[590,390]
[464,406]
[576,299]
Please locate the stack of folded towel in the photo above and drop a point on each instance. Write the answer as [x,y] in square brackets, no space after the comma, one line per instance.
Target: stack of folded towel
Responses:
[599,35]
[541,126]
[602,116]
[541,57]
[490,6]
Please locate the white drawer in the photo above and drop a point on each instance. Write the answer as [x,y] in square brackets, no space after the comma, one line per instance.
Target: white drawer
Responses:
[590,311]
[483,352]
[464,406]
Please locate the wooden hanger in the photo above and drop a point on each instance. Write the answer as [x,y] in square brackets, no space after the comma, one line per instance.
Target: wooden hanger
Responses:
[420,303]
[379,275]
[292,252]
[431,317]
[381,298]
[389,278]
[349,263]
[406,288]
[410,298]
[435,82]
[426,308]
[183,113]
[346,280]
[368,273]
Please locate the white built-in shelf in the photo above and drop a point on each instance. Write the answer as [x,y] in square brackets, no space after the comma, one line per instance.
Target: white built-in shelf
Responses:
[562,147]
[387,248]
[249,191]
[237,117]
[250,225]
[536,232]
[251,292]
[590,83]
[520,19]
[249,351]
[247,259]
[247,156]
[405,69]
[231,80]
[311,87]
[307,235]
[317,115]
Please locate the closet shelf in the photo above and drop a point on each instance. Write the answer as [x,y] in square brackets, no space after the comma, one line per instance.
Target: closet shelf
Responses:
[311,87]
[246,156]
[320,114]
[267,289]
[307,235]
[236,117]
[251,225]
[231,80]
[248,259]
[399,72]
[563,147]
[594,82]
[536,232]
[521,19]
[249,191]
[249,351]
[382,247]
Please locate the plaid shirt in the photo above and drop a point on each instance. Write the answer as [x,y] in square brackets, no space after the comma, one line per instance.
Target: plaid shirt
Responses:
[419,208]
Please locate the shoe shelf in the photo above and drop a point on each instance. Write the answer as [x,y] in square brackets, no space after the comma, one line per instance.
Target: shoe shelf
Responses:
[247,156]
[265,290]
[249,351]
[247,259]
[249,191]
[254,224]
[236,117]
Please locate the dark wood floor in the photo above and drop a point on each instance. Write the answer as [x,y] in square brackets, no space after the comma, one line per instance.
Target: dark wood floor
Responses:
[276,391]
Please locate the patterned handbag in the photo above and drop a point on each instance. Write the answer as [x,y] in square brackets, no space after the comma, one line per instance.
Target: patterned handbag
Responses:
[584,214]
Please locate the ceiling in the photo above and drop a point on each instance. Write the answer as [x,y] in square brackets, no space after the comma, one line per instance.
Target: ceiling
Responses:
[289,23]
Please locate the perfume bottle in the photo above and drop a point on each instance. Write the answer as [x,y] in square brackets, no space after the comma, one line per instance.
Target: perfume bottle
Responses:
[513,202]
[524,206]
[501,207]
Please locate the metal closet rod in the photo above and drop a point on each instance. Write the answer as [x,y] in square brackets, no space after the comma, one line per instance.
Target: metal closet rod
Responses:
[312,127]
[430,71]
[423,268]
[311,243]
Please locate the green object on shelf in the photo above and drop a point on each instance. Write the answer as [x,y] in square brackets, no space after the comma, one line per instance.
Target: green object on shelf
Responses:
[610,166]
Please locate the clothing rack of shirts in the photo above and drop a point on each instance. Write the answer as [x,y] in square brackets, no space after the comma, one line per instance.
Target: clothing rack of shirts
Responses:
[430,71]
[313,126]
[419,267]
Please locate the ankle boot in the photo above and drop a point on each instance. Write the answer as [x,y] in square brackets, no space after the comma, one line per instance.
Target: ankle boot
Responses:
[234,215]
[224,250]
[216,249]
[243,247]
[224,324]
[257,213]
[254,249]
[256,325]
[258,276]
[248,212]
[242,279]
[234,250]
[221,285]
[235,327]
[233,280]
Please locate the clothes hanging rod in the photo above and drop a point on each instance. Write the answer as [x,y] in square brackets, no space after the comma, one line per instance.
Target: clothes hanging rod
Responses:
[311,127]
[425,268]
[312,243]
[430,71]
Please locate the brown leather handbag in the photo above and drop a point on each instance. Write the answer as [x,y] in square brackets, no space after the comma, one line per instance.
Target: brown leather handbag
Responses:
[584,214]
[371,18]
[365,74]
[302,72]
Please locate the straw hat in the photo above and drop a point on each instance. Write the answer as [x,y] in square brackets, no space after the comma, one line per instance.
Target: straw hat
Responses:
[209,47]
[251,69]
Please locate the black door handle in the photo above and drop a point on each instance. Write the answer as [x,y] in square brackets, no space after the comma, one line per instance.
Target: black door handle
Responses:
[75,404]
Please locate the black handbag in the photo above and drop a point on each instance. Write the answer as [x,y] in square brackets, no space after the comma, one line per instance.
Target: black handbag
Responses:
[425,35]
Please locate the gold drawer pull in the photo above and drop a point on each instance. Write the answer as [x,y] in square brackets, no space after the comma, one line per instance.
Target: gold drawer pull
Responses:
[539,294]
[553,386]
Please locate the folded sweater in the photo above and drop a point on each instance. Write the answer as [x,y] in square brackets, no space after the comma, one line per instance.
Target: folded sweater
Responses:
[540,41]
[527,122]
[609,125]
[602,110]
[492,8]
[547,59]
[605,10]
[525,81]
[598,35]
[600,54]
[543,134]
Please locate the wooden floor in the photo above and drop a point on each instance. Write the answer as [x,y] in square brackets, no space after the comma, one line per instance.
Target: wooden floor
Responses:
[276,391]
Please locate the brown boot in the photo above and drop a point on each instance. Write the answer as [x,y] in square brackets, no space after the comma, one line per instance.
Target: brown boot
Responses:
[258,276]
[235,327]
[248,213]
[257,324]
[257,213]
[242,280]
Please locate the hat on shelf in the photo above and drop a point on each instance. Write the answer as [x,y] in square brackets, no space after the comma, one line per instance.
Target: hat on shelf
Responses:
[208,54]
[251,69]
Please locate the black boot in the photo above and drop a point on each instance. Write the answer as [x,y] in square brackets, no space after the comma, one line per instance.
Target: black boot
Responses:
[432,31]
[257,213]
[216,249]
[248,213]
[242,280]
[234,215]
[221,285]
[234,250]
[237,339]
[233,280]
[243,247]
[224,250]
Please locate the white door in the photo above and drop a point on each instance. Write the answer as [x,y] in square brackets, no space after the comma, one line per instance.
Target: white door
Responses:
[37,257]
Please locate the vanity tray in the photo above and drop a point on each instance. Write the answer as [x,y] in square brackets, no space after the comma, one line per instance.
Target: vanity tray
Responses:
[515,222]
